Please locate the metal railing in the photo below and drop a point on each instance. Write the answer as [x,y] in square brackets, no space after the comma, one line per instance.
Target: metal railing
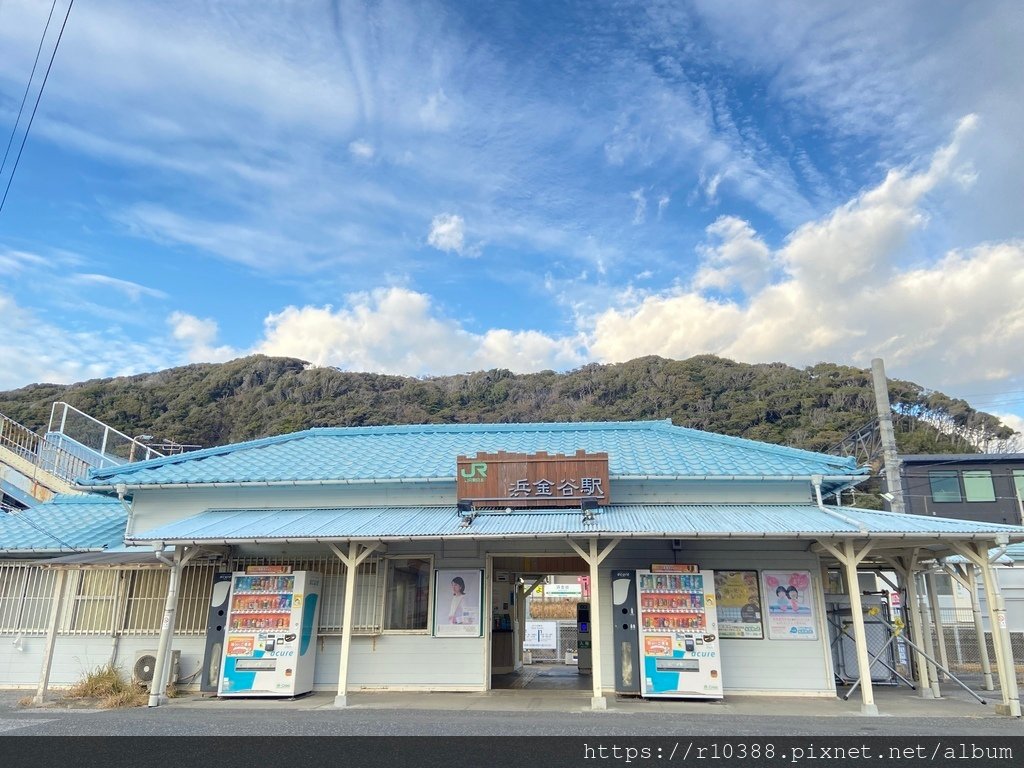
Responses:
[27,445]
[103,446]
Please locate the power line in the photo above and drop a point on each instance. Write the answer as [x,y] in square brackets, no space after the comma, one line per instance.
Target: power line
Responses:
[28,87]
[35,107]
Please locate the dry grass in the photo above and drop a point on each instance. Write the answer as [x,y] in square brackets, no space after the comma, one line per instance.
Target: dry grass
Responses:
[109,688]
[26,701]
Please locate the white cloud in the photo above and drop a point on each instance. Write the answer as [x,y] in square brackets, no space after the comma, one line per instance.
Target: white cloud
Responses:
[12,261]
[361,150]
[35,350]
[397,330]
[134,291]
[640,212]
[739,258]
[198,337]
[448,233]
[1012,420]
[663,202]
[845,294]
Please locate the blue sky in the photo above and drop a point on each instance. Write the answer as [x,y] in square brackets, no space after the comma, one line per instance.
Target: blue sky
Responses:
[428,188]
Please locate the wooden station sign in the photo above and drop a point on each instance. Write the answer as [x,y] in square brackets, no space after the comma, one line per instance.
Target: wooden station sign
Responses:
[521,480]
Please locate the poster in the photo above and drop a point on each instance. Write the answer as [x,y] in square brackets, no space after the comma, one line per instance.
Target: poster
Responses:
[790,605]
[458,597]
[739,605]
[540,635]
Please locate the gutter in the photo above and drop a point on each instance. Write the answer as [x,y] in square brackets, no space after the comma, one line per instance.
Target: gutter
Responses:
[850,479]
[816,482]
[592,533]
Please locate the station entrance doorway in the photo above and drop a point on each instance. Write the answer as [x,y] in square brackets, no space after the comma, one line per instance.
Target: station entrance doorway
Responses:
[540,629]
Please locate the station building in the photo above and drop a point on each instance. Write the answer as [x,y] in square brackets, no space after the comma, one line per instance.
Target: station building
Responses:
[381,511]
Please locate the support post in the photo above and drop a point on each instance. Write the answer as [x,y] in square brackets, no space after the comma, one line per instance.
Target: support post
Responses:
[971,574]
[158,688]
[598,701]
[352,561]
[917,630]
[926,632]
[594,558]
[892,460]
[940,633]
[849,558]
[57,605]
[1004,649]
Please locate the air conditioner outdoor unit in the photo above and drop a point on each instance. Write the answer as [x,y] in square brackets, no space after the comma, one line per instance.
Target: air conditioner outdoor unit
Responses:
[145,666]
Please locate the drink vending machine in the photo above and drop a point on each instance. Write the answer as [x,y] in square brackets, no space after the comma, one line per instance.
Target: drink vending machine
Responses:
[270,637]
[678,631]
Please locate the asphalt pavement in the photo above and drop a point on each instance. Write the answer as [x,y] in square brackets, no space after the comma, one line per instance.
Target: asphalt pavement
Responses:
[229,718]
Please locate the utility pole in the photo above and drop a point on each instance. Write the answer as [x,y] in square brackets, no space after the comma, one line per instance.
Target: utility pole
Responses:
[892,460]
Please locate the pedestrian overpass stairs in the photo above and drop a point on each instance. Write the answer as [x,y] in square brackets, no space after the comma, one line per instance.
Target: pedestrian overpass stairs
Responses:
[34,467]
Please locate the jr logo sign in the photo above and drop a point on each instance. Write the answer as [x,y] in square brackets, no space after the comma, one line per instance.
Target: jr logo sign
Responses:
[475,473]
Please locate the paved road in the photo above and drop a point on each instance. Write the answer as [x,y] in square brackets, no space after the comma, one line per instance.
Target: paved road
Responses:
[173,720]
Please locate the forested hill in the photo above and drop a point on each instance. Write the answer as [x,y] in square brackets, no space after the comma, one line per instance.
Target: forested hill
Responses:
[258,396]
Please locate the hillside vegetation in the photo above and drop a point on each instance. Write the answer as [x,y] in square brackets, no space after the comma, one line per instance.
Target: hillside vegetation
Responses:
[213,404]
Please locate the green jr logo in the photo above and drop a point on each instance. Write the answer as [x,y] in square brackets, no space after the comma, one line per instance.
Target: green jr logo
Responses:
[477,472]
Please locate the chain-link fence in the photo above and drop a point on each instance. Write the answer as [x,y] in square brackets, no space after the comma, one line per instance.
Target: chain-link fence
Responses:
[963,648]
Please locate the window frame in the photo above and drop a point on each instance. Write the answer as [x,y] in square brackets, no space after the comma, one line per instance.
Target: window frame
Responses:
[945,474]
[975,475]
[427,630]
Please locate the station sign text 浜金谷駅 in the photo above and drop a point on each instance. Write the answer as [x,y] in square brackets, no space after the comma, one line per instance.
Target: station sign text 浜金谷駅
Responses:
[532,480]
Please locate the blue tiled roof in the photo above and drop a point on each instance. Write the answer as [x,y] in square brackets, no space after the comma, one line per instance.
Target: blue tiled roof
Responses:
[750,521]
[66,523]
[635,449]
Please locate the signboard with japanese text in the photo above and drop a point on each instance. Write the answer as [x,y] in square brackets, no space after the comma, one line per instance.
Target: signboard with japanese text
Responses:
[540,635]
[520,480]
[739,605]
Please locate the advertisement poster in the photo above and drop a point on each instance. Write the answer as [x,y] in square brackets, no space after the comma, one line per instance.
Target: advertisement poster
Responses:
[540,635]
[458,596]
[790,605]
[739,605]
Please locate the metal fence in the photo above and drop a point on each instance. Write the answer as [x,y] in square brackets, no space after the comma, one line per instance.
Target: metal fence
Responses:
[567,639]
[963,647]
[368,611]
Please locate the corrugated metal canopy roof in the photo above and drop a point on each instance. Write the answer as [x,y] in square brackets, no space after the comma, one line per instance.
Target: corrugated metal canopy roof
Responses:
[366,454]
[655,521]
[66,523]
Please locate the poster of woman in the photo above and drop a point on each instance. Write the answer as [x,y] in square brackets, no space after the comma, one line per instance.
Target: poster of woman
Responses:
[457,603]
[790,605]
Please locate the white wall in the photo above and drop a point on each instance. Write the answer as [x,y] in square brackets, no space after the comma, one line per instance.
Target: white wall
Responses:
[154,508]
[74,656]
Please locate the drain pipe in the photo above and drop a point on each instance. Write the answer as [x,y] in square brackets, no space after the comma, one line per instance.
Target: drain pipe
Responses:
[122,491]
[816,481]
[157,689]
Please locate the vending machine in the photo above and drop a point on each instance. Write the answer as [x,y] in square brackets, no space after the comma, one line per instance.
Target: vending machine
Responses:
[678,631]
[270,637]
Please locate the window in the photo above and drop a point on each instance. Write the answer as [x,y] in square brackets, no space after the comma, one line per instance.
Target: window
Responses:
[945,485]
[26,594]
[368,611]
[1018,483]
[407,603]
[978,485]
[943,584]
[147,597]
[92,609]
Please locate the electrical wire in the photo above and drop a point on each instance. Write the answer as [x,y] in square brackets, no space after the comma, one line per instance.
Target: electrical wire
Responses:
[35,107]
[28,87]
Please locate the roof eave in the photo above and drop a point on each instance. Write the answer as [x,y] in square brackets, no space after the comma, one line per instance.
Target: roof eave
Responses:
[847,479]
